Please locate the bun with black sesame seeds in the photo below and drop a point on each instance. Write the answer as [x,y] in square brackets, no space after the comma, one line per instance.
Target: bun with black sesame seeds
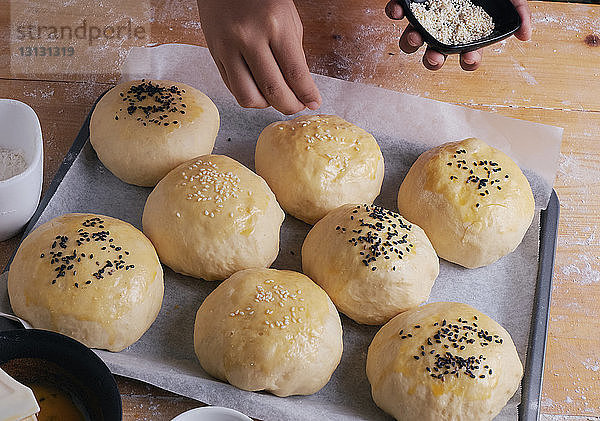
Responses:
[94,278]
[443,361]
[211,217]
[317,163]
[142,129]
[472,200]
[267,329]
[372,262]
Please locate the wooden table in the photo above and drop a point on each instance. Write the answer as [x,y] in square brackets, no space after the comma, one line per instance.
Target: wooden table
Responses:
[553,79]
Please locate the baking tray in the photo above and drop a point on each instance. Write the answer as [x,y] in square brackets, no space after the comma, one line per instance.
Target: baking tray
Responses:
[531,384]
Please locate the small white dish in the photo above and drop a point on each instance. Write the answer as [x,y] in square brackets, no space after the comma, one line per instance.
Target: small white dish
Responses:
[211,413]
[20,194]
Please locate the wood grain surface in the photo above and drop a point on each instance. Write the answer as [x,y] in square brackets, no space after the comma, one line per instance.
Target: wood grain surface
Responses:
[553,79]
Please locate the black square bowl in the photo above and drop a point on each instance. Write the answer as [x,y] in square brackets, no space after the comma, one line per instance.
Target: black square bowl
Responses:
[506,20]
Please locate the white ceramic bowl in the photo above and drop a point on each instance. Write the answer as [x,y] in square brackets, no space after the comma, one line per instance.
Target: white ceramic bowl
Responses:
[211,413]
[20,195]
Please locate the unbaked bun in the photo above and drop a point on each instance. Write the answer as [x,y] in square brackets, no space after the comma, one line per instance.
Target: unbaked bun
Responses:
[472,200]
[371,262]
[91,277]
[267,329]
[317,163]
[143,129]
[211,217]
[443,361]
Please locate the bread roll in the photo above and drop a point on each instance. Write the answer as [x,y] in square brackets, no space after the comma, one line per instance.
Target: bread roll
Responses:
[142,129]
[472,200]
[267,329]
[315,164]
[372,262]
[91,277]
[211,217]
[443,361]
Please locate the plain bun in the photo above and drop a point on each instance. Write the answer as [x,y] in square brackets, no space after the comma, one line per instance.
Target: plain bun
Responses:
[317,163]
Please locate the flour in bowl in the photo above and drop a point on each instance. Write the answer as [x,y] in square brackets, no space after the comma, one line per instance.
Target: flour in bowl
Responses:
[11,163]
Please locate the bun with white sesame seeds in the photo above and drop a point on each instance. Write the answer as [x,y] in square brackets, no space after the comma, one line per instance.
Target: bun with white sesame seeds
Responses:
[267,329]
[142,129]
[317,163]
[94,278]
[443,361]
[211,217]
[372,262]
[473,201]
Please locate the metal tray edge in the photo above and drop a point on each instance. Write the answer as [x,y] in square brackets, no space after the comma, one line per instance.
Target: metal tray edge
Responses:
[531,386]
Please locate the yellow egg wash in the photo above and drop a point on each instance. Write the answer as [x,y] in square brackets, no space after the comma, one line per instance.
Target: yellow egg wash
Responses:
[338,145]
[275,306]
[83,258]
[471,177]
[212,185]
[205,182]
[443,359]
[55,405]
[380,237]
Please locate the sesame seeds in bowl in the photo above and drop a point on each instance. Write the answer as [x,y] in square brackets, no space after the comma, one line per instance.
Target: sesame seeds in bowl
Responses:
[458,26]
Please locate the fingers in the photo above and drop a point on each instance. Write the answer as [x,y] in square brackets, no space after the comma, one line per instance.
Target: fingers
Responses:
[470,61]
[433,60]
[290,57]
[222,71]
[270,81]
[240,82]
[524,32]
[394,10]
[411,40]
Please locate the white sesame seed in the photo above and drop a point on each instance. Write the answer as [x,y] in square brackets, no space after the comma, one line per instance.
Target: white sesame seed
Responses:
[453,21]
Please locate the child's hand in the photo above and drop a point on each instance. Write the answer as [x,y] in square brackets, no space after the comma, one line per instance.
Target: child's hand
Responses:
[257,46]
[411,40]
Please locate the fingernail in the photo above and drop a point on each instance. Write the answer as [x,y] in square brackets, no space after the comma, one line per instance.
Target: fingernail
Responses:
[313,105]
[469,61]
[432,62]
[412,40]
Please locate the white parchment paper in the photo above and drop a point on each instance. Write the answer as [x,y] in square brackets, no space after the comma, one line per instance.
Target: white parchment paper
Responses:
[404,126]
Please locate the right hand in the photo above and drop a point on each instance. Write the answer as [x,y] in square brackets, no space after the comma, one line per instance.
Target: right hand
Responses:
[257,46]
